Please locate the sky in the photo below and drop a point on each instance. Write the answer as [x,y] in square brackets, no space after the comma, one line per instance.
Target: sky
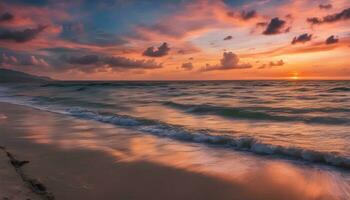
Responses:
[176,39]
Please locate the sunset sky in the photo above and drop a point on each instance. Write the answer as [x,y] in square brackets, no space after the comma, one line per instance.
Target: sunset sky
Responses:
[176,39]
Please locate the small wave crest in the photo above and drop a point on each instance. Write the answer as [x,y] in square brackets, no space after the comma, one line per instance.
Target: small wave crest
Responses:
[84,85]
[339,89]
[263,113]
[70,101]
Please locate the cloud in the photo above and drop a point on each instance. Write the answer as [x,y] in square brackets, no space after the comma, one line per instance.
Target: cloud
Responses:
[187,66]
[162,50]
[275,64]
[246,15]
[186,48]
[112,62]
[263,66]
[193,18]
[6,17]
[261,24]
[228,62]
[314,20]
[275,26]
[76,32]
[37,61]
[83,60]
[126,63]
[21,36]
[302,38]
[243,15]
[11,59]
[272,64]
[332,39]
[343,15]
[325,6]
[311,47]
[228,37]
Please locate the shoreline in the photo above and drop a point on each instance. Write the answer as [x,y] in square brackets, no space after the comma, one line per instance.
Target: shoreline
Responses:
[71,158]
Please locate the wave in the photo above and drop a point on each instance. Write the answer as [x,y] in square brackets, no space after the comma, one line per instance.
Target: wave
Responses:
[82,84]
[208,137]
[339,89]
[263,113]
[237,143]
[249,144]
[68,101]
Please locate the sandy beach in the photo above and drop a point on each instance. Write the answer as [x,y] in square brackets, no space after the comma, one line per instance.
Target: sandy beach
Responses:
[83,168]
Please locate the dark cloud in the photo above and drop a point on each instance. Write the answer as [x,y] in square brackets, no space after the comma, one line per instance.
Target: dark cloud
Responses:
[228,37]
[84,60]
[21,36]
[343,15]
[314,20]
[275,26]
[302,38]
[162,50]
[187,66]
[332,39]
[228,62]
[6,17]
[244,15]
[113,62]
[325,6]
[126,63]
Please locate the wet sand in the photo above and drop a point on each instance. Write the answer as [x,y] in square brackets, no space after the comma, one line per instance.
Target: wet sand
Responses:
[89,168]
[11,184]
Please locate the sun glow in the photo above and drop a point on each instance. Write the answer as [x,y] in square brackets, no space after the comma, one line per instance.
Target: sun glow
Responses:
[295,76]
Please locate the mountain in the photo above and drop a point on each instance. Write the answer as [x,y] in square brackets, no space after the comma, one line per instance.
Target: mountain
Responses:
[11,76]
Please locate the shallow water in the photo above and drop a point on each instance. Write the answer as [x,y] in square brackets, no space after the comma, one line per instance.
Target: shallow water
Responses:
[302,120]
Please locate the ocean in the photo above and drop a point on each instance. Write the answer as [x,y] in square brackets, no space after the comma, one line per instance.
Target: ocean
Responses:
[307,121]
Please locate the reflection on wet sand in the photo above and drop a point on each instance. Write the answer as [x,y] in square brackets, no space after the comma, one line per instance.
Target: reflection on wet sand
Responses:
[158,168]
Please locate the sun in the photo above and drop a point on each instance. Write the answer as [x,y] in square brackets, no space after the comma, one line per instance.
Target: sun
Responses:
[295,76]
